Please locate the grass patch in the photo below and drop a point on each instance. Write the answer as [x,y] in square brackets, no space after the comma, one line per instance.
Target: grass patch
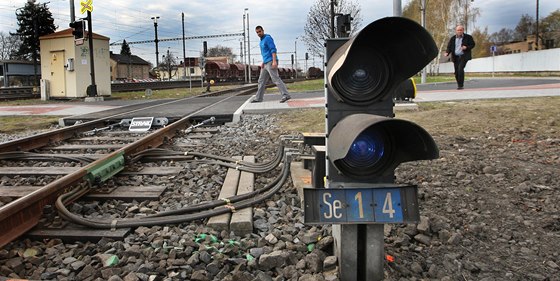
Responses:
[16,124]
[465,118]
[476,117]
[302,86]
[303,120]
[434,79]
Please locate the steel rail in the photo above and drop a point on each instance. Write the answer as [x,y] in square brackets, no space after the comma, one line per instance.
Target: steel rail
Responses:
[43,139]
[21,215]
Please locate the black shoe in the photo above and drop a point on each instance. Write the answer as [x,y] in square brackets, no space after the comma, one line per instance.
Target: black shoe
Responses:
[459,88]
[284,99]
[255,101]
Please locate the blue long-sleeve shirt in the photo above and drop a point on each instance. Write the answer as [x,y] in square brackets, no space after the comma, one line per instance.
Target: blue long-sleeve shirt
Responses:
[267,48]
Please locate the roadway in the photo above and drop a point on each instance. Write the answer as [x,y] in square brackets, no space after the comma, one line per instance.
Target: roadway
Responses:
[475,88]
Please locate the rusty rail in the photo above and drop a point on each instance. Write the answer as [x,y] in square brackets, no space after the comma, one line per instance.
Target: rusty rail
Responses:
[21,215]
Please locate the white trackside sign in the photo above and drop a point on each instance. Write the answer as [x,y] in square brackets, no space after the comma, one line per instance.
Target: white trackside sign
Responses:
[140,124]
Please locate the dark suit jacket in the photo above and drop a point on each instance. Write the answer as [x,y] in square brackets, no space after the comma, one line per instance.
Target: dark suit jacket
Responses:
[467,41]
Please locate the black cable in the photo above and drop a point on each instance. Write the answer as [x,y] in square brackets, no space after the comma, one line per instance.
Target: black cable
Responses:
[258,168]
[170,219]
[30,156]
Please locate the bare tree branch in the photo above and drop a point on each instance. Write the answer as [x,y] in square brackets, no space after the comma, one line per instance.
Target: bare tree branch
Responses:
[317,27]
[9,44]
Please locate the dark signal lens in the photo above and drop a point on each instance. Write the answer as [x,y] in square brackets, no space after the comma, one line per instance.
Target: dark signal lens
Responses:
[364,77]
[366,150]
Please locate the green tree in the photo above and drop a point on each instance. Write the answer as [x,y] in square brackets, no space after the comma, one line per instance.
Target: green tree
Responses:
[442,16]
[525,26]
[125,49]
[550,30]
[34,20]
[483,43]
[505,35]
[221,51]
[169,64]
[317,27]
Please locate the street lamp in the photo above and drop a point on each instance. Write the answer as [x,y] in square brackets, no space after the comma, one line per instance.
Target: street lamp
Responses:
[244,48]
[423,9]
[467,13]
[156,39]
[537,28]
[248,45]
[295,51]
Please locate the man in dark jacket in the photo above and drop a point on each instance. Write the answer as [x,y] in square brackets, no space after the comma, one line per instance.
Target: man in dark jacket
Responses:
[459,47]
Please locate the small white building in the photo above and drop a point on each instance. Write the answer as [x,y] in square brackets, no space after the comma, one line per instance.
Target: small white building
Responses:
[65,67]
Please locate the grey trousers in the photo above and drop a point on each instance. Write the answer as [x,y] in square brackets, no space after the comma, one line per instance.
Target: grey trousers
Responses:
[266,74]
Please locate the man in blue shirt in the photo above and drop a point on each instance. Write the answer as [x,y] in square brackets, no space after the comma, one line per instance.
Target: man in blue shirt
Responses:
[269,67]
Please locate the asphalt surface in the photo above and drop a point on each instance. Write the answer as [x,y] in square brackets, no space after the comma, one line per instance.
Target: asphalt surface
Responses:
[485,83]
[475,88]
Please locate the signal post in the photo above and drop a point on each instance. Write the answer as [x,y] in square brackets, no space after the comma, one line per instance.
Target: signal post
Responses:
[79,31]
[365,143]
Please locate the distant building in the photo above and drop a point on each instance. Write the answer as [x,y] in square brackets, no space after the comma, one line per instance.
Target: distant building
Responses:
[132,67]
[529,44]
[546,41]
[18,73]
[183,71]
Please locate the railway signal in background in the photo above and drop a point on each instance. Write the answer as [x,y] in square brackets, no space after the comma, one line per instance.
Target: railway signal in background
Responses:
[365,143]
[343,25]
[204,49]
[79,29]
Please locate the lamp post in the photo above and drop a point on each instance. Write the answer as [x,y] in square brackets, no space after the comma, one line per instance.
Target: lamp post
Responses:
[244,49]
[467,13]
[156,40]
[331,29]
[423,9]
[295,56]
[248,45]
[397,8]
[537,28]
[184,55]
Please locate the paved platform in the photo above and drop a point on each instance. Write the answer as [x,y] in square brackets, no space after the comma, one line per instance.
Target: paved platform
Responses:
[56,109]
[485,88]
[171,109]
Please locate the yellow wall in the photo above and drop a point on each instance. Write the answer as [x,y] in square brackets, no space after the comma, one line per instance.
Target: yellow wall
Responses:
[73,84]
[178,73]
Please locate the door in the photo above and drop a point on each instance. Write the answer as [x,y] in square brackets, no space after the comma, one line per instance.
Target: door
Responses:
[58,74]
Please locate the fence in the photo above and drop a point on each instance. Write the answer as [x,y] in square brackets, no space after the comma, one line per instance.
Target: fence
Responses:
[534,61]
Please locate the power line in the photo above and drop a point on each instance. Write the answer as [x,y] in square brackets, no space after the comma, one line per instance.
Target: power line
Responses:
[177,39]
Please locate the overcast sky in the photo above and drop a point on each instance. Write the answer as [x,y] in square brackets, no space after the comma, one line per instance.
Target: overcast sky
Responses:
[283,19]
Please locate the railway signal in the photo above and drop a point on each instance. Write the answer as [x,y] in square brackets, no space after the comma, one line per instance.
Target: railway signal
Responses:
[79,29]
[204,49]
[365,143]
[343,25]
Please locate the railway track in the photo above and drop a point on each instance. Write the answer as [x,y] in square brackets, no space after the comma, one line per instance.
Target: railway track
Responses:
[73,160]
